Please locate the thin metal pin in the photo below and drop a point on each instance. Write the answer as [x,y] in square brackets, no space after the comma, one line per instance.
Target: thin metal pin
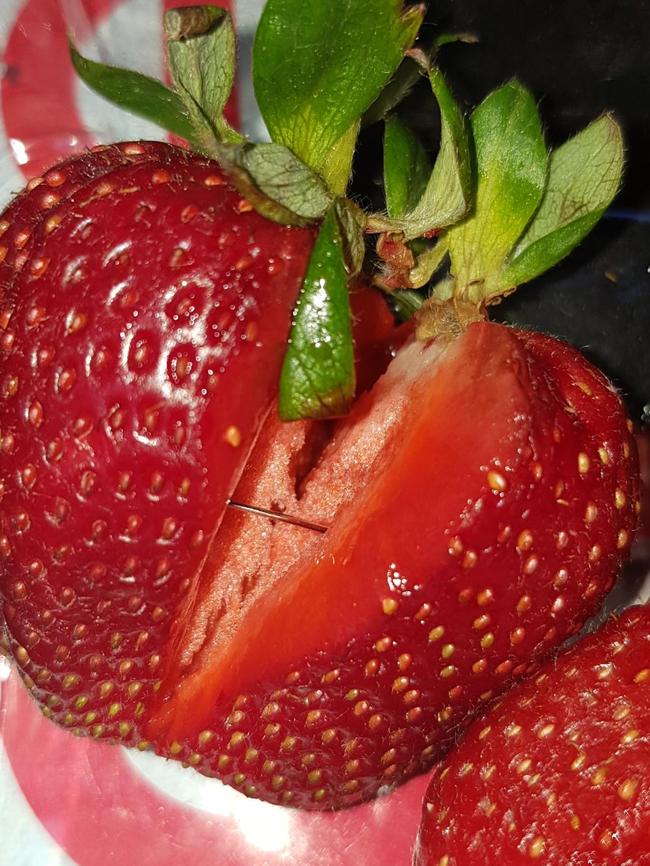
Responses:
[276,515]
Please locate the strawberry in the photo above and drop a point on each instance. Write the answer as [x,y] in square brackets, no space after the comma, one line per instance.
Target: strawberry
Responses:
[558,771]
[127,409]
[469,512]
[392,646]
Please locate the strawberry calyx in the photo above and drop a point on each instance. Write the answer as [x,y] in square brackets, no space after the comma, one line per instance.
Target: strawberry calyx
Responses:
[432,198]
[446,319]
[495,209]
[313,84]
[421,199]
[318,67]
[201,54]
[531,207]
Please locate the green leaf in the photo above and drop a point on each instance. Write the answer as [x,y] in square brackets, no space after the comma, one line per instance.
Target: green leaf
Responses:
[136,93]
[201,51]
[511,163]
[427,263]
[318,65]
[406,168]
[276,182]
[584,176]
[317,379]
[447,196]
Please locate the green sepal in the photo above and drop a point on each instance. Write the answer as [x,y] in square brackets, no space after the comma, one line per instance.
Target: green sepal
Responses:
[406,168]
[351,220]
[201,53]
[406,304]
[318,66]
[275,181]
[337,168]
[444,290]
[406,76]
[584,176]
[318,378]
[135,93]
[511,166]
[428,262]
[449,39]
[447,195]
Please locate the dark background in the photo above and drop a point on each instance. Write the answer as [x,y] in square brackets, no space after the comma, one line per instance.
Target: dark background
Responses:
[580,58]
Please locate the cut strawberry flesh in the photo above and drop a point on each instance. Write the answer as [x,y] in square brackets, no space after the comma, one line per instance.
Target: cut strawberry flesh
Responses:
[383,485]
[480,500]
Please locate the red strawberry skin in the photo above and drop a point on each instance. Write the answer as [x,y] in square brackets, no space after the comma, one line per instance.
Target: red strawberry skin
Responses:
[143,335]
[43,196]
[478,528]
[559,771]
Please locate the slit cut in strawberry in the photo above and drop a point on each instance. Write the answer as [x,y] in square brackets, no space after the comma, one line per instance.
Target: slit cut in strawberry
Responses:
[367,648]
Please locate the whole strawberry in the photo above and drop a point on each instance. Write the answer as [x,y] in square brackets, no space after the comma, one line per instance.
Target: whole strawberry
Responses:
[467,515]
[558,772]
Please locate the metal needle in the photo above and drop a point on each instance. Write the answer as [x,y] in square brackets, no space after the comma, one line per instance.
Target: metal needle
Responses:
[276,515]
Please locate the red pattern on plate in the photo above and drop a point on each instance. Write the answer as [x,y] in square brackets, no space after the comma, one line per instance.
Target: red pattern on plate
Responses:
[95,804]
[37,91]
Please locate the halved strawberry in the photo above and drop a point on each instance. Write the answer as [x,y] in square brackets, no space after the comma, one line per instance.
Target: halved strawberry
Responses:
[481,498]
[143,336]
[559,771]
